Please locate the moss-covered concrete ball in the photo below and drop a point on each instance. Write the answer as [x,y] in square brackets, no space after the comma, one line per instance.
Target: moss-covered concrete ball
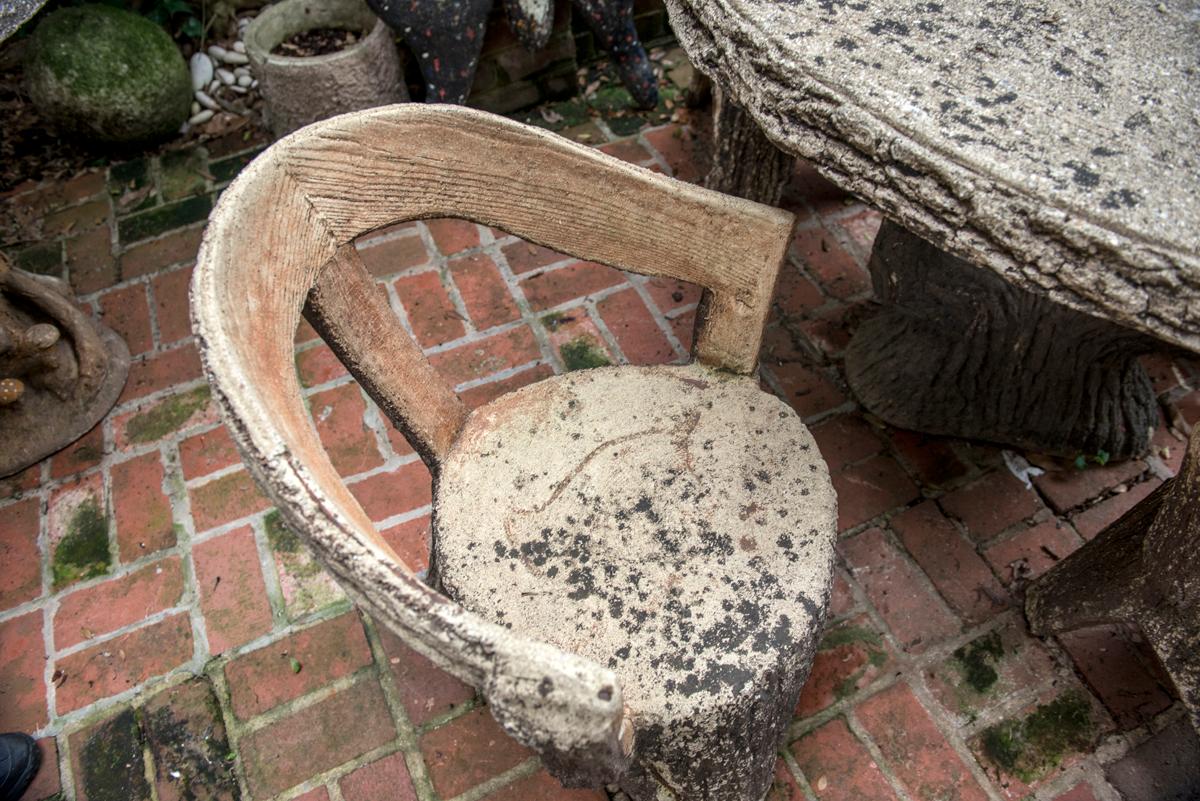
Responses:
[108,73]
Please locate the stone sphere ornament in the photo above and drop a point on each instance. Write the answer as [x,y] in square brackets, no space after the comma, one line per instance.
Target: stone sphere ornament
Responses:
[108,74]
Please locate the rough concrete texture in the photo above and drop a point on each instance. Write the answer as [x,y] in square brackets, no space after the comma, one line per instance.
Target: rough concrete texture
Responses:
[298,91]
[640,518]
[1028,138]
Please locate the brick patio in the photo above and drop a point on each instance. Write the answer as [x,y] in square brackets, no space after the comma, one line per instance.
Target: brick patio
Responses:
[195,651]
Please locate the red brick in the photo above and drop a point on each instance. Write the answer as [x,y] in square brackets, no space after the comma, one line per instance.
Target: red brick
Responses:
[805,389]
[316,794]
[863,227]
[161,370]
[812,187]
[867,489]
[677,146]
[186,735]
[826,259]
[541,786]
[831,327]
[669,294]
[298,747]
[432,315]
[955,569]
[932,458]
[123,662]
[208,452]
[1080,792]
[143,512]
[21,577]
[453,236]
[338,416]
[484,292]
[22,674]
[76,219]
[627,150]
[1114,664]
[838,767]
[425,690]
[126,310]
[991,504]
[150,257]
[108,755]
[318,365]
[394,255]
[121,602]
[82,186]
[636,332]
[225,499]
[156,420]
[794,293]
[404,489]
[850,656]
[1094,519]
[410,541]
[469,750]
[90,262]
[525,257]
[171,305]
[1032,552]
[82,454]
[486,393]
[47,782]
[894,587]
[684,326]
[384,778]
[264,679]
[400,445]
[486,356]
[981,675]
[547,289]
[917,751]
[233,596]
[1066,489]
[304,333]
[845,439]
[841,598]
[783,786]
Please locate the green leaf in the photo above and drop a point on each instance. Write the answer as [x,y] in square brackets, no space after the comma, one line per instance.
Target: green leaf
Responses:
[1080,462]
[192,28]
[1101,457]
[296,666]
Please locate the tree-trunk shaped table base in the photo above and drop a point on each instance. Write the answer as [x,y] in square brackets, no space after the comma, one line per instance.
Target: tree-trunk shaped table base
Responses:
[959,351]
[745,163]
[60,370]
[1143,569]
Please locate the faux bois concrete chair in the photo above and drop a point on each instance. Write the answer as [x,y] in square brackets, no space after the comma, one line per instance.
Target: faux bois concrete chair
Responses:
[631,563]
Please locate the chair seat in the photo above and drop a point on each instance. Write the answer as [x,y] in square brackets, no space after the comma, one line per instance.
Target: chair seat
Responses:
[675,524]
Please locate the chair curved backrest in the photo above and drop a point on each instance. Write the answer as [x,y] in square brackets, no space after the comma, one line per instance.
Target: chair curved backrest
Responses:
[281,242]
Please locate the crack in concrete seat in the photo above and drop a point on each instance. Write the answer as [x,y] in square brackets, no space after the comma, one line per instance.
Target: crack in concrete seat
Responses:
[638,559]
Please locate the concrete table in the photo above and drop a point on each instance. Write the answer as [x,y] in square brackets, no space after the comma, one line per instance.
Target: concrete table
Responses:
[1055,145]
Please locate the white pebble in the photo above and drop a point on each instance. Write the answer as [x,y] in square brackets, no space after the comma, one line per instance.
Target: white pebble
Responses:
[214,86]
[241,90]
[240,71]
[195,107]
[254,84]
[207,101]
[244,80]
[239,46]
[217,52]
[201,117]
[227,77]
[236,58]
[201,67]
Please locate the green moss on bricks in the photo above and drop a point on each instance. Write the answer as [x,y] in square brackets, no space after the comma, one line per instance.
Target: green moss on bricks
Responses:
[108,73]
[112,761]
[166,417]
[848,635]
[976,660]
[582,353]
[281,538]
[83,552]
[1030,747]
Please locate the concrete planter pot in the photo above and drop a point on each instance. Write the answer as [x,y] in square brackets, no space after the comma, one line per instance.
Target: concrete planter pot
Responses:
[298,91]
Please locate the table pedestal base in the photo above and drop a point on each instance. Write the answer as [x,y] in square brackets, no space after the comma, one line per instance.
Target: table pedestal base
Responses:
[959,351]
[745,163]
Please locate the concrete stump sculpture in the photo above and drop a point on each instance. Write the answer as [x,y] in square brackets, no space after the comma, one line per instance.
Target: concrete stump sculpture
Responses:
[447,38]
[636,561]
[60,370]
